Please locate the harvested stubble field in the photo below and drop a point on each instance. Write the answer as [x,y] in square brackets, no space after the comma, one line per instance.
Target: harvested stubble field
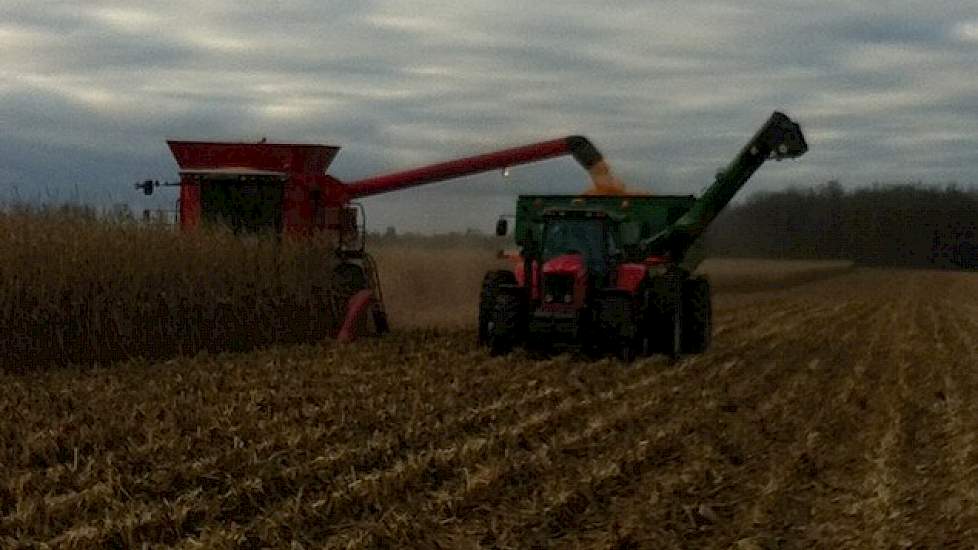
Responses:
[837,412]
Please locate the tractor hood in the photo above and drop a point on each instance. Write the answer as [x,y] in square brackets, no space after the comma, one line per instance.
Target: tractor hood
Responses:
[565,280]
[567,264]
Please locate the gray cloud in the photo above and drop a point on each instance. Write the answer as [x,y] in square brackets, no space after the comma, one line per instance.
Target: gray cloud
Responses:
[668,89]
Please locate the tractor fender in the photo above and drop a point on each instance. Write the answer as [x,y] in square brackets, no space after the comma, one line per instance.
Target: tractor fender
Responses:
[631,275]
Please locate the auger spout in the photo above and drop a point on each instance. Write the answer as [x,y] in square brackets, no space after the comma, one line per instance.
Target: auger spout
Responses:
[779,138]
[583,151]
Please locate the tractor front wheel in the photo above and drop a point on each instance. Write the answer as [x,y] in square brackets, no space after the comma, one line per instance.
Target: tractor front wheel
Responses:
[487,299]
[619,327]
[504,326]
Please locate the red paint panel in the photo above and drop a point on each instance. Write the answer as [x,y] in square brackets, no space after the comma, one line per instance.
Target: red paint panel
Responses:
[189,205]
[305,165]
[458,168]
[573,265]
[279,157]
[568,264]
[630,276]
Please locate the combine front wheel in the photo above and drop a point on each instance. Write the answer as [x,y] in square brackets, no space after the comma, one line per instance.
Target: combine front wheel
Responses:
[349,279]
[363,313]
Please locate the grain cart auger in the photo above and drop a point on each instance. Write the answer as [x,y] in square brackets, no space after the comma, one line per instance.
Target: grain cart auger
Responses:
[613,271]
[280,188]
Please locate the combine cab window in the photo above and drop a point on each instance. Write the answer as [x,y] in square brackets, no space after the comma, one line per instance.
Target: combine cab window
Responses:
[253,206]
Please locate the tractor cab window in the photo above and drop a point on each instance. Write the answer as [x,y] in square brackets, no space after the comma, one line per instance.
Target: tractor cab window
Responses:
[575,236]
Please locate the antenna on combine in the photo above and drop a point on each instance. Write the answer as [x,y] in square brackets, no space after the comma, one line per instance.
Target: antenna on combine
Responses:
[147,186]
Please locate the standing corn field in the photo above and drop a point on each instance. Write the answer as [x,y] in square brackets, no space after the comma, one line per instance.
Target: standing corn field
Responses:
[80,290]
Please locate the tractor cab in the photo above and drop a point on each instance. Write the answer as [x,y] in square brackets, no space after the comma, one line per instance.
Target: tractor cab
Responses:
[580,243]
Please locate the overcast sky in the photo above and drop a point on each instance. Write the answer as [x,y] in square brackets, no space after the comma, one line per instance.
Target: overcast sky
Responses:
[669,91]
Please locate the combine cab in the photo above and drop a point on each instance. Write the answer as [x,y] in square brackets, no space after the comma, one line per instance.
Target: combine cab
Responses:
[614,272]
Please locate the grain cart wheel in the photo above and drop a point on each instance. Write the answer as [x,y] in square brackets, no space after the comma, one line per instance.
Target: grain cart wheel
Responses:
[505,325]
[487,298]
[697,319]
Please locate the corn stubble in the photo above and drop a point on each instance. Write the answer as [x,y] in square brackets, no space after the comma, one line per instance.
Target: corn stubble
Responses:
[826,415]
[78,290]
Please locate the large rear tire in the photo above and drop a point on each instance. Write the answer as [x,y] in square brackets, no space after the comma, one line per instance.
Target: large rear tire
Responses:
[664,316]
[697,330]
[672,334]
[487,299]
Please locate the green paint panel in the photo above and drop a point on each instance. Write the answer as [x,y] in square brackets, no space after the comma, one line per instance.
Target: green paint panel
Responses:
[638,216]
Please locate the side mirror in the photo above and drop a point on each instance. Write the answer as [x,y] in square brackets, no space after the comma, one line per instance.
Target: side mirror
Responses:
[502,227]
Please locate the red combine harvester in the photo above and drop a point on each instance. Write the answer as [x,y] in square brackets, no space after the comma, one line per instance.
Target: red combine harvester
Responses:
[284,189]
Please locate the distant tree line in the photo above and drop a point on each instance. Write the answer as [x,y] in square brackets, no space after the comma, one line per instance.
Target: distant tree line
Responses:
[911,225]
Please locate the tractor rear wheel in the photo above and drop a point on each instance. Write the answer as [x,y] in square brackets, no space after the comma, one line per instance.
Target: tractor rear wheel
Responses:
[671,336]
[663,317]
[487,299]
[697,319]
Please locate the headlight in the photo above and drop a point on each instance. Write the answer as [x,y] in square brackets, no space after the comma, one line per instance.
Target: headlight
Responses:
[558,287]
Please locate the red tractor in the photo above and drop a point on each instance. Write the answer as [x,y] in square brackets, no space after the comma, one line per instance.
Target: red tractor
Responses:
[613,272]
